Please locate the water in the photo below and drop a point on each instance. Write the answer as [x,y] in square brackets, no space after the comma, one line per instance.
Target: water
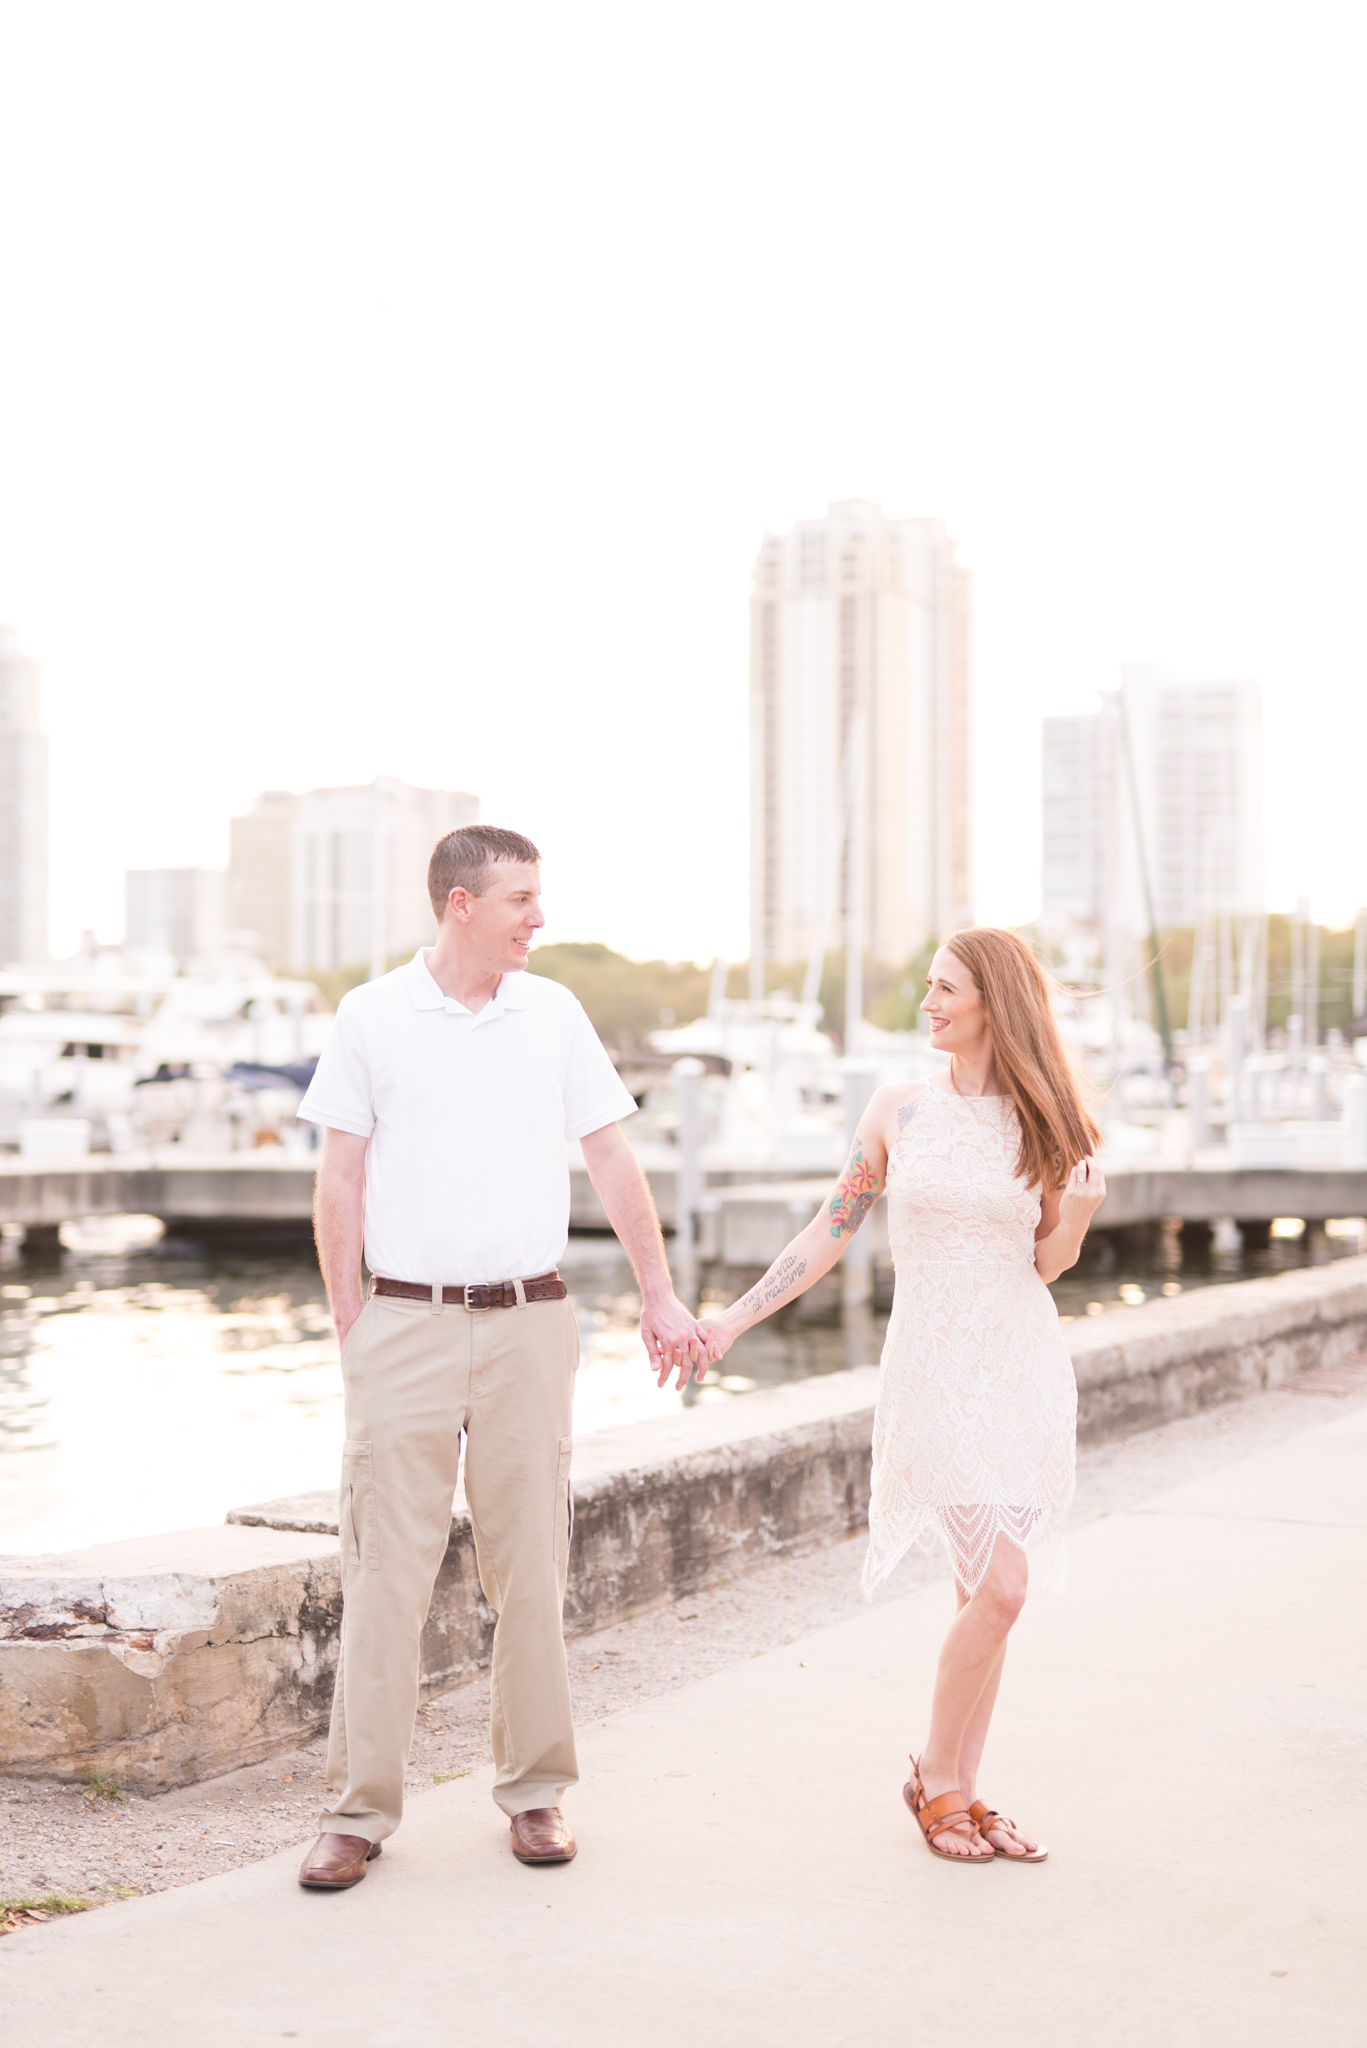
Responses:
[148,1385]
[1108,1278]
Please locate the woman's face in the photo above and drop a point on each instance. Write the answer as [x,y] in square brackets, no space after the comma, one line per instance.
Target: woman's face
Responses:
[958,1019]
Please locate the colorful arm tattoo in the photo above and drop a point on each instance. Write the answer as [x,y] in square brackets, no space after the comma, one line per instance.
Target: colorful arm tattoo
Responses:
[856,1194]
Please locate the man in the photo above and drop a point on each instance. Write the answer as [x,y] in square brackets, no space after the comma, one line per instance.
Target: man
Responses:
[447,1094]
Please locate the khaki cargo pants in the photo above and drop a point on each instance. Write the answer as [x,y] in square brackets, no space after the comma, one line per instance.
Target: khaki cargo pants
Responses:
[415,1378]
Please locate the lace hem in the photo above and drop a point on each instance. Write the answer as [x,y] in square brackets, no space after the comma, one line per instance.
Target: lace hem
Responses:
[968,1534]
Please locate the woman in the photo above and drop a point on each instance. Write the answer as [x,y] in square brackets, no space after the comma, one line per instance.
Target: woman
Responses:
[991,1185]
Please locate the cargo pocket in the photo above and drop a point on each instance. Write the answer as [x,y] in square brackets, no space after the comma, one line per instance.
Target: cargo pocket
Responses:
[564,1501]
[357,1520]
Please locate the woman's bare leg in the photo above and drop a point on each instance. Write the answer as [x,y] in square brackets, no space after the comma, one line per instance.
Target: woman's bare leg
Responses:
[979,1721]
[971,1756]
[969,1673]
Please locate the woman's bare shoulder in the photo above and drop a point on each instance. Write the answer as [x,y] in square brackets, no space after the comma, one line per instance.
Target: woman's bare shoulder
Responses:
[896,1105]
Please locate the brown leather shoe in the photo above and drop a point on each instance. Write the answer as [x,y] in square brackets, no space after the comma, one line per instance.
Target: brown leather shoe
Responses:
[336,1861]
[540,1835]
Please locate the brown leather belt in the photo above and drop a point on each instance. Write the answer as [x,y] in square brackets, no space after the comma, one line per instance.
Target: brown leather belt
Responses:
[481,1293]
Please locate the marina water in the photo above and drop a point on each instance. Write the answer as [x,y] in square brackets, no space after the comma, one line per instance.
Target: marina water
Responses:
[149,1385]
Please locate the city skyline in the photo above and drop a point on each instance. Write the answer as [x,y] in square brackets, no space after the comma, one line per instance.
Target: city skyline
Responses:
[325,879]
[306,506]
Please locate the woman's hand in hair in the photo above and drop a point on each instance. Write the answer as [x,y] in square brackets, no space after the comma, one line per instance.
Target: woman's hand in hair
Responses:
[1064,1215]
[1081,1196]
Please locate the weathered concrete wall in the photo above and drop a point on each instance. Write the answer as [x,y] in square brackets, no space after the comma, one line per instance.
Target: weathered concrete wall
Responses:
[169,1658]
[661,1508]
[1144,1366]
[177,1657]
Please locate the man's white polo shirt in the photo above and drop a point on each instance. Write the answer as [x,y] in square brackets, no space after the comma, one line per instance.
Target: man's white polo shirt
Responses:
[467,1116]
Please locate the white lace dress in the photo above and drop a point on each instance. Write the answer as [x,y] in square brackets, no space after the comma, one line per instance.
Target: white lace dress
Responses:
[976,1427]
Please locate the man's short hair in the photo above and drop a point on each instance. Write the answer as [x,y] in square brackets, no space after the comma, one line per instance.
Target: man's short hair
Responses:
[462,860]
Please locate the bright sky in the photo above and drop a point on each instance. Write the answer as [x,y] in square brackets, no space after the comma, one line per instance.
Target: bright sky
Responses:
[404,388]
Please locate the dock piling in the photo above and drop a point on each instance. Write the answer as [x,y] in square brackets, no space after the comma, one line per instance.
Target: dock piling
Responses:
[1355,1121]
[41,1243]
[1198,1102]
[687,1074]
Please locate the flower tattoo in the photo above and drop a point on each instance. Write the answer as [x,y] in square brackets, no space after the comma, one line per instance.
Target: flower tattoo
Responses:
[859,1189]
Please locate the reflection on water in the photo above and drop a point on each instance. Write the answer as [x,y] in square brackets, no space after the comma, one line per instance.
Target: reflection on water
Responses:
[148,1385]
[1116,1272]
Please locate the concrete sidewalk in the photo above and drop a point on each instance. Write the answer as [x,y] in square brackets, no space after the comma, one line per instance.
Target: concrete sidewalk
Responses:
[1185,1727]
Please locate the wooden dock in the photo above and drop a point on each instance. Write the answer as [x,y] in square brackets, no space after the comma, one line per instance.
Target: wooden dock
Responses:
[746,1221]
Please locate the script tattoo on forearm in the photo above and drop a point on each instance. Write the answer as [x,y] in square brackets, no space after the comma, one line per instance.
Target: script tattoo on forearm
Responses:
[856,1194]
[778,1281]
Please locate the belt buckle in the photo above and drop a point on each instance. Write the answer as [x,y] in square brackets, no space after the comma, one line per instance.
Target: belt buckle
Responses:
[476,1287]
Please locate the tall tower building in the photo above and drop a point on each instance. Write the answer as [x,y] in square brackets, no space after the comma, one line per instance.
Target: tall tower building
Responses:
[859,694]
[1076,791]
[23,808]
[1198,761]
[1166,777]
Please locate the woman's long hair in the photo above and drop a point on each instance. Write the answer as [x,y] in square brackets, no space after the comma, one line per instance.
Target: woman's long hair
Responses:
[1031,1056]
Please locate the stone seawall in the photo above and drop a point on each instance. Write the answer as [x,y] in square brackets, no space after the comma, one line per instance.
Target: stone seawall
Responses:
[1144,1366]
[167,1658]
[173,1658]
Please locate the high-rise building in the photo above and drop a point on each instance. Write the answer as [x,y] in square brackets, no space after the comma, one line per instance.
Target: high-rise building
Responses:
[260,875]
[174,910]
[23,808]
[1198,761]
[1076,790]
[1164,784]
[336,878]
[859,699]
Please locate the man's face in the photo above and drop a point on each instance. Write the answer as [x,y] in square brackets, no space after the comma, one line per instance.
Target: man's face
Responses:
[504,919]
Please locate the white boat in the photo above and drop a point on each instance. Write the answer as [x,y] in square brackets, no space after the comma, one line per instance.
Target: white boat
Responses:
[104,1053]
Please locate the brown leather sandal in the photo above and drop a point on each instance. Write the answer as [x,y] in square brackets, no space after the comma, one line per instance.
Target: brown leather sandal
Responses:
[945,1814]
[985,1817]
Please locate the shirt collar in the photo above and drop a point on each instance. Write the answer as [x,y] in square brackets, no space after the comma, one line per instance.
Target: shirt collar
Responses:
[511,993]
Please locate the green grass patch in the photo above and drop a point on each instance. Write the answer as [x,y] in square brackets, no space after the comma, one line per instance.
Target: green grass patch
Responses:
[445,1777]
[28,1911]
[97,1787]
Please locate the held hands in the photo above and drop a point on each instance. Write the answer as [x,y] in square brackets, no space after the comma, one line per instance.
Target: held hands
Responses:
[1083,1193]
[675,1341]
[721,1335]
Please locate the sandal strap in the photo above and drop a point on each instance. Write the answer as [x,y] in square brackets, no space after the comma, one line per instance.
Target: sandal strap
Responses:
[985,1817]
[945,1814]
[953,1824]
